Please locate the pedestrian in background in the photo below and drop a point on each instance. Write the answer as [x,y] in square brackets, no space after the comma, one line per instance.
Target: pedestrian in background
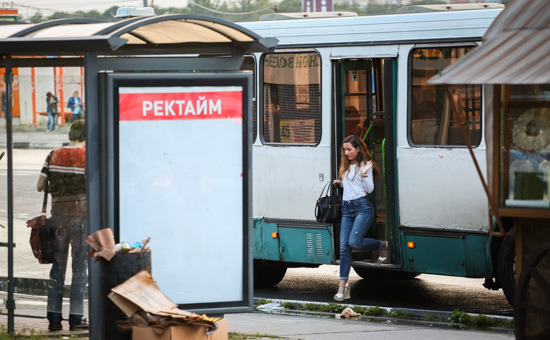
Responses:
[75,104]
[64,175]
[357,174]
[51,110]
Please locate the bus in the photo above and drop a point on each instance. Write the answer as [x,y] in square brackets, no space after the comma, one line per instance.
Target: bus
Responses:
[368,75]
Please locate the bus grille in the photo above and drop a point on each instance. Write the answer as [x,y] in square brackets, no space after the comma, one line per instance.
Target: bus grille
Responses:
[314,247]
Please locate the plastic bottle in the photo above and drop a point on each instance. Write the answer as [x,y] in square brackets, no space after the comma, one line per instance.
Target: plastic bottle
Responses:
[519,165]
[544,167]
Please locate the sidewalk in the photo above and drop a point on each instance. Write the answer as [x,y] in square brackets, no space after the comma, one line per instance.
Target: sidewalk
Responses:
[37,138]
[30,311]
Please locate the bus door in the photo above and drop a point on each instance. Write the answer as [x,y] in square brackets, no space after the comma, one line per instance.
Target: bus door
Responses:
[363,107]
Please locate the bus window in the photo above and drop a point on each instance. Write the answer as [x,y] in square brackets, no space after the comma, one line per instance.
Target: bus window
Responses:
[291,111]
[435,116]
[248,65]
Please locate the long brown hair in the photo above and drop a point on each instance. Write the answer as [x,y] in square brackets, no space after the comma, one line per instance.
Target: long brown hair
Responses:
[363,156]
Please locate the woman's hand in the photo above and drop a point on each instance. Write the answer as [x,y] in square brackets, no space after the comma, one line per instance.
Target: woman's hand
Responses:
[337,182]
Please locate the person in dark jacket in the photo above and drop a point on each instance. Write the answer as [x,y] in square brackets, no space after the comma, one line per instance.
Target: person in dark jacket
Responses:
[51,110]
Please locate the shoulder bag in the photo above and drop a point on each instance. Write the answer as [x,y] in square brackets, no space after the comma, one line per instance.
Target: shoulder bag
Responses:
[43,240]
[328,208]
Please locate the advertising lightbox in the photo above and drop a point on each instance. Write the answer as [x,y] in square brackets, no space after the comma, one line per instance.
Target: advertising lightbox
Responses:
[181,177]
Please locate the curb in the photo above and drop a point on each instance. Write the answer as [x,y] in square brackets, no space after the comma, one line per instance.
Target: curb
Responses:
[30,145]
[417,316]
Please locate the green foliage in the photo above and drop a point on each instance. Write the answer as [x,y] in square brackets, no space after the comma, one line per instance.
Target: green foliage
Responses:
[373,311]
[260,302]
[397,314]
[375,9]
[25,333]
[459,317]
[238,11]
[289,6]
[478,321]
[333,307]
[355,8]
[430,317]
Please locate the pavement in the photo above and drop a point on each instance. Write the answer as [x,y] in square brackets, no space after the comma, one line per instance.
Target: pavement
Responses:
[276,323]
[36,138]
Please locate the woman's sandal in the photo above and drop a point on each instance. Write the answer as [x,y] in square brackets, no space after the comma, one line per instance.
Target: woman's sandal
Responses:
[383,258]
[345,295]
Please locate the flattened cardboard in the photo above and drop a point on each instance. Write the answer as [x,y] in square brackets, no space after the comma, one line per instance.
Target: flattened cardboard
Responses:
[102,243]
[180,333]
[142,292]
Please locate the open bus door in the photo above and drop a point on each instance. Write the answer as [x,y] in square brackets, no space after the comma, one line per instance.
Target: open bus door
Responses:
[364,90]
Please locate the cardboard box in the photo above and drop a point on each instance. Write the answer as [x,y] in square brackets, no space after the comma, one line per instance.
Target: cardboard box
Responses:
[180,333]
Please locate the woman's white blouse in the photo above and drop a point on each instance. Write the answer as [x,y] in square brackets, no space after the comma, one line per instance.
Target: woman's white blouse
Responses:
[356,186]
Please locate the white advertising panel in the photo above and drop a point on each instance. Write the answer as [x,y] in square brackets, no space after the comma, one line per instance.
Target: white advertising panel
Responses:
[180,182]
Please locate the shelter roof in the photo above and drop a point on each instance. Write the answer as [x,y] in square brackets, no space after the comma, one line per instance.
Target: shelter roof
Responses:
[515,49]
[163,34]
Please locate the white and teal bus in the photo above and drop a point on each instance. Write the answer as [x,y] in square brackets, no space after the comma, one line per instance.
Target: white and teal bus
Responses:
[330,77]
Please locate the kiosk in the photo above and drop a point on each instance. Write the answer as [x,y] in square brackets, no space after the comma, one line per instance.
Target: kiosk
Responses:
[514,65]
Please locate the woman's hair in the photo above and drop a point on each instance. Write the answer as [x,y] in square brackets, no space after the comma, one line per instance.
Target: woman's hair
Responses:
[49,94]
[363,156]
[77,132]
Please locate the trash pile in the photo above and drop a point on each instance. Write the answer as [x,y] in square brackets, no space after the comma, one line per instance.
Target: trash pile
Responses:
[136,247]
[103,245]
[148,313]
[144,305]
[348,313]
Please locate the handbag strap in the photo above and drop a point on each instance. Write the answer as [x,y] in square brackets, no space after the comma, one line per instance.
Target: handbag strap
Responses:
[46,190]
[45,203]
[324,188]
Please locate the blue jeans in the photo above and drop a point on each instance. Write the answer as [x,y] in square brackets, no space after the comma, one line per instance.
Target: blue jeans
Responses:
[69,230]
[357,216]
[52,119]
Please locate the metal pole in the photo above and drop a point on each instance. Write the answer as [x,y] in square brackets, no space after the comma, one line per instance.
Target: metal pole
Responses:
[10,303]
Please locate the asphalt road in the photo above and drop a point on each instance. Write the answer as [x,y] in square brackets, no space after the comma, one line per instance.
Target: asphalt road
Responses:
[431,292]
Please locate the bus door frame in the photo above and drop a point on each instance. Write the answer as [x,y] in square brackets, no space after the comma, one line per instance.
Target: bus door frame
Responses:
[388,166]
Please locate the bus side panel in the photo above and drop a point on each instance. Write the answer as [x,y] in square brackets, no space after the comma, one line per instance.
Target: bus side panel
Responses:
[293,244]
[306,245]
[478,256]
[456,255]
[265,246]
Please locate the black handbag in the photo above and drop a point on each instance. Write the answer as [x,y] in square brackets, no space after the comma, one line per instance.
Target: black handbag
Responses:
[43,240]
[328,208]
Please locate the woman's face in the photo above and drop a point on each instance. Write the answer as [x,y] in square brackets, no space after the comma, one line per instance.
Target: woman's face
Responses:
[351,152]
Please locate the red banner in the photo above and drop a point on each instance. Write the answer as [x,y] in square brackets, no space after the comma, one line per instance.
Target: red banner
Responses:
[143,105]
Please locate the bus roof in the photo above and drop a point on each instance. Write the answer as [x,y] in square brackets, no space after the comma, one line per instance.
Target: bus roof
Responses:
[376,30]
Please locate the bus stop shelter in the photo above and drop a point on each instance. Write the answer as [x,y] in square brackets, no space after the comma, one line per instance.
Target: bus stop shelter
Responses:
[156,52]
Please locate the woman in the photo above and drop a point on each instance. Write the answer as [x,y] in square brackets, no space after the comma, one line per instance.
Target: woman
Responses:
[75,104]
[357,174]
[51,110]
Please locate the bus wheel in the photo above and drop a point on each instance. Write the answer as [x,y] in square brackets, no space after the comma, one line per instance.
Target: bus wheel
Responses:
[507,268]
[531,313]
[268,273]
[370,273]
